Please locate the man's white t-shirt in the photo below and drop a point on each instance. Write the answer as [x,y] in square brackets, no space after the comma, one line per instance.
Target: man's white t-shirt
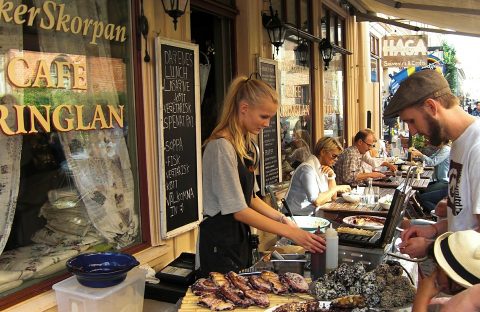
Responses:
[464,180]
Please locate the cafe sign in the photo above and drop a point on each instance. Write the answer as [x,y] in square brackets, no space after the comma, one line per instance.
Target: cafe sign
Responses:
[404,51]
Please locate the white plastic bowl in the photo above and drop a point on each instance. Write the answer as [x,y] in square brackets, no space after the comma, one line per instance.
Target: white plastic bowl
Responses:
[352,197]
[385,201]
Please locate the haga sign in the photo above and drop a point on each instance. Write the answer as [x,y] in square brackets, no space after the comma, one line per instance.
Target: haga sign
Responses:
[404,51]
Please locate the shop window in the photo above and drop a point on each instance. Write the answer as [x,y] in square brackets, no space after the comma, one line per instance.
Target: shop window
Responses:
[374,58]
[295,93]
[68,168]
[333,29]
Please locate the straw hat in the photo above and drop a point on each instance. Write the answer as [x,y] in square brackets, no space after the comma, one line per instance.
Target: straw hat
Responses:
[458,254]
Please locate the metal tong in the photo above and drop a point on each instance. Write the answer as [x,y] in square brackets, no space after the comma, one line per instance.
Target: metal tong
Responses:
[284,202]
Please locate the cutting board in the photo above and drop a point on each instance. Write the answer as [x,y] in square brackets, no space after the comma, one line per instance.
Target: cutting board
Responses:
[189,302]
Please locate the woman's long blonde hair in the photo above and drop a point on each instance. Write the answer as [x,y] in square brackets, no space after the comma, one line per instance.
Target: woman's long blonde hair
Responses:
[254,92]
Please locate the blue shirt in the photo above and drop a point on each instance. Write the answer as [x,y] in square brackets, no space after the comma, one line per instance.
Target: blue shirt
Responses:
[307,183]
[440,160]
[476,112]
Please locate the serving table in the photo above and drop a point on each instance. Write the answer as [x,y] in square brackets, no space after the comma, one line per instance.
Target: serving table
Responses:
[417,184]
[189,302]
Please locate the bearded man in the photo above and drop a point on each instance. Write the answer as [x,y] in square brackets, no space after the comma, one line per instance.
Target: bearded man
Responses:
[424,101]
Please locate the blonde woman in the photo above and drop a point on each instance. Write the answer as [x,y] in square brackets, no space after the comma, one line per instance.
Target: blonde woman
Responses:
[313,182]
[229,201]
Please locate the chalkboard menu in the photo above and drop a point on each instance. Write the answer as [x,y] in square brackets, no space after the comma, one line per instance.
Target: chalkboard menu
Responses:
[179,136]
[270,169]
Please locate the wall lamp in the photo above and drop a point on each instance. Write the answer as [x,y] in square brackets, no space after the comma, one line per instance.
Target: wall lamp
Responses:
[275,28]
[175,8]
[301,52]
[326,49]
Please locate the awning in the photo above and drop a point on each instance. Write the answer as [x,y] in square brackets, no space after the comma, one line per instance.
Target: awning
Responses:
[451,16]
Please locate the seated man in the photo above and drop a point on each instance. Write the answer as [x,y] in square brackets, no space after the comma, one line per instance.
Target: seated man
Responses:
[348,168]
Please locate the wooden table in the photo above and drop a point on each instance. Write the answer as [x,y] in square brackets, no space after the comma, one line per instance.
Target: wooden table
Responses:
[426,174]
[416,185]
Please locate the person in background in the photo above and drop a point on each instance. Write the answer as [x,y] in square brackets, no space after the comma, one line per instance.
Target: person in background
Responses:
[301,148]
[438,188]
[458,273]
[229,184]
[424,101]
[313,182]
[348,168]
[476,111]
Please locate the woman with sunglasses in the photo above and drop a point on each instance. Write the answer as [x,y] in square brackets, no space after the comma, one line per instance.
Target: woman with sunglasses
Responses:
[458,274]
[229,201]
[313,182]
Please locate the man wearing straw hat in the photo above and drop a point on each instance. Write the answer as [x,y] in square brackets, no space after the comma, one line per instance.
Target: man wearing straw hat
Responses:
[424,101]
[458,273]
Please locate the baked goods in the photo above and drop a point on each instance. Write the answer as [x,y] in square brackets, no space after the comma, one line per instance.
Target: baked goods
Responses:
[348,302]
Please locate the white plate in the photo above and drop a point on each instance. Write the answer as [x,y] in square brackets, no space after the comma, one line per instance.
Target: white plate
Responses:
[351,197]
[365,222]
[309,223]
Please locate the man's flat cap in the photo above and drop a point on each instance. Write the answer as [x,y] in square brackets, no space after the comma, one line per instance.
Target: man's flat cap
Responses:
[416,89]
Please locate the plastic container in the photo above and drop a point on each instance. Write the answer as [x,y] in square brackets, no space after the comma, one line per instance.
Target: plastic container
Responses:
[124,297]
[292,263]
[318,261]
[331,239]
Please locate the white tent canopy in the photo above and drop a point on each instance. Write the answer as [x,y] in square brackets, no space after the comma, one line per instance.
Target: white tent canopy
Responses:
[455,17]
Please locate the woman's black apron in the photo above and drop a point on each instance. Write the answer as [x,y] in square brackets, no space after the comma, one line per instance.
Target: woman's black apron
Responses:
[224,242]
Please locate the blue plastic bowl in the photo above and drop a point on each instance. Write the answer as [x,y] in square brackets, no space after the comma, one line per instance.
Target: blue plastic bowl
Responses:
[101,269]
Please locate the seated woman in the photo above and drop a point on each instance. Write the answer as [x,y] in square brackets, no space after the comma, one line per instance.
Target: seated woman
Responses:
[458,273]
[313,182]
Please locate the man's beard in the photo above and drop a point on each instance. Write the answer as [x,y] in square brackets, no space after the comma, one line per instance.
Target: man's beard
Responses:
[437,134]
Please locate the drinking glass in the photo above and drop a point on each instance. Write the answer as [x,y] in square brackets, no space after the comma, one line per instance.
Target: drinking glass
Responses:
[376,193]
[398,176]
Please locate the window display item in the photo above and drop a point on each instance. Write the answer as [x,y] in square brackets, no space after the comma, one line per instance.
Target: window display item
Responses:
[101,269]
[124,297]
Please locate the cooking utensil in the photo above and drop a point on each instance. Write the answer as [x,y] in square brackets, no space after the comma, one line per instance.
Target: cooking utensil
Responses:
[284,202]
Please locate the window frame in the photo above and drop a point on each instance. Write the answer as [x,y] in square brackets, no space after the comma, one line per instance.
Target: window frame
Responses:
[135,49]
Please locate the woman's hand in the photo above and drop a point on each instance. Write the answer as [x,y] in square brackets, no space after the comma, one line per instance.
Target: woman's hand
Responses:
[311,242]
[328,171]
[465,301]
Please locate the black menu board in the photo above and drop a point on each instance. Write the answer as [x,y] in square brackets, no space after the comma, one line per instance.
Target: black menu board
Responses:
[270,169]
[179,136]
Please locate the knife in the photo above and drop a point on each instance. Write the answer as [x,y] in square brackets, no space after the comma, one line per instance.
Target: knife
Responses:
[284,202]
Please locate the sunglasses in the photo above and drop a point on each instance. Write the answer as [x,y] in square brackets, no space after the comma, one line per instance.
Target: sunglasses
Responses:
[368,144]
[334,156]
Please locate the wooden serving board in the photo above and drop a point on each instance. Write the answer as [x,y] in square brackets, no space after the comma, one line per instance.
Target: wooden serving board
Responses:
[189,302]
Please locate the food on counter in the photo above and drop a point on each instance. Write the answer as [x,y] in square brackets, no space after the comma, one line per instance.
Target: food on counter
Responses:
[203,285]
[260,284]
[295,282]
[232,290]
[211,301]
[348,302]
[241,282]
[355,231]
[218,278]
[306,306]
[277,286]
[259,298]
[368,221]
[384,287]
[235,296]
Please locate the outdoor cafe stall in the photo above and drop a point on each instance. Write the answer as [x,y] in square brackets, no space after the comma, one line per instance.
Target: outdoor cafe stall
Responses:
[370,273]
